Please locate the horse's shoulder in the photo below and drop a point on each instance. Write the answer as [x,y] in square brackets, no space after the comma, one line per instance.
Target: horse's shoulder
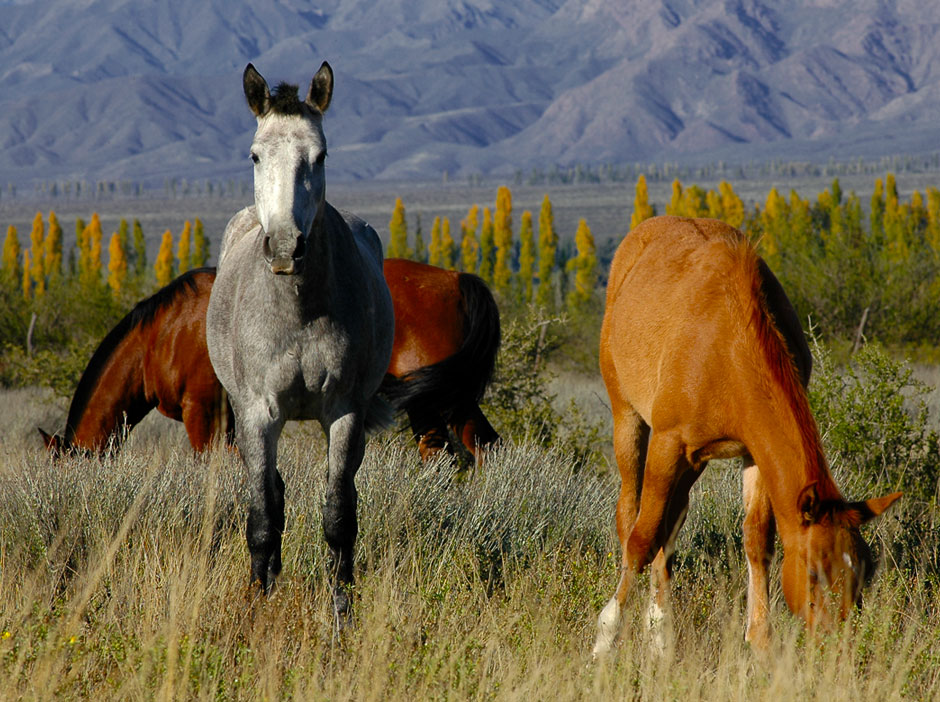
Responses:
[365,236]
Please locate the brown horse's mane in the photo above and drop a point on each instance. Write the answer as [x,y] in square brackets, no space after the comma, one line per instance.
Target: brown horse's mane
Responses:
[142,314]
[786,375]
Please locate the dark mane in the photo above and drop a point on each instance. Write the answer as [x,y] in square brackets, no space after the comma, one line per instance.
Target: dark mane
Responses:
[142,314]
[284,100]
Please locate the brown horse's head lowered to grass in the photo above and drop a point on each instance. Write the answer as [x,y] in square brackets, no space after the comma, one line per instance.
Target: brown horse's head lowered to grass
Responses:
[703,357]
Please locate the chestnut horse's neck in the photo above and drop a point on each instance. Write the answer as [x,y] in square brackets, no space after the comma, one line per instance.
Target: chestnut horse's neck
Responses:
[112,389]
[780,431]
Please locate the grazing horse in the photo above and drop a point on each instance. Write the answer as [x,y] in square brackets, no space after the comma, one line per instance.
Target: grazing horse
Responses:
[155,356]
[703,357]
[300,325]
[447,333]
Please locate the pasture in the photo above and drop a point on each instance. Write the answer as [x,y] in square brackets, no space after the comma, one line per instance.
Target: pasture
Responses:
[126,577]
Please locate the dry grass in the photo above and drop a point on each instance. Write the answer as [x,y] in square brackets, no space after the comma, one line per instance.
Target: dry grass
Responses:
[125,578]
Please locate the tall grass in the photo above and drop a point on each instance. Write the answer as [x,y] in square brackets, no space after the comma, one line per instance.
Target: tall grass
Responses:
[125,578]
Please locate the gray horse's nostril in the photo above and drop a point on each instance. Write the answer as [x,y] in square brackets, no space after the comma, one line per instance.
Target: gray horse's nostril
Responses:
[266,249]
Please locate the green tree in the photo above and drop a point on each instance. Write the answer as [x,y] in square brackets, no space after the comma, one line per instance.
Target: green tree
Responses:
[584,266]
[876,212]
[502,240]
[420,252]
[200,255]
[140,251]
[487,246]
[469,246]
[641,207]
[548,246]
[526,257]
[398,232]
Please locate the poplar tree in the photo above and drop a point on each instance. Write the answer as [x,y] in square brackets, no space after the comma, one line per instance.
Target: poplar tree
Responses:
[89,254]
[163,266]
[140,251]
[774,224]
[436,248]
[183,255]
[877,212]
[502,240]
[486,246]
[117,265]
[548,245]
[398,232]
[420,252]
[27,282]
[448,246]
[641,207]
[526,257]
[584,266]
[36,255]
[732,206]
[932,232]
[675,202]
[200,254]
[52,250]
[469,246]
[11,259]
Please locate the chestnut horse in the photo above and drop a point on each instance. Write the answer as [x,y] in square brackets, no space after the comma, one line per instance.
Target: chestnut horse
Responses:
[703,357]
[447,333]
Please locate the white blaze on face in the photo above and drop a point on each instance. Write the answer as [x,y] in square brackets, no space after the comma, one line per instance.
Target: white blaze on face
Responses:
[290,182]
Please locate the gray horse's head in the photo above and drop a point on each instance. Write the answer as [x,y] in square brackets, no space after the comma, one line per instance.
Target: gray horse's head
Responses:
[288,152]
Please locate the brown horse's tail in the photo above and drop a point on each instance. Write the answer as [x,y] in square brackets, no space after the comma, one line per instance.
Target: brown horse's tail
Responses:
[452,388]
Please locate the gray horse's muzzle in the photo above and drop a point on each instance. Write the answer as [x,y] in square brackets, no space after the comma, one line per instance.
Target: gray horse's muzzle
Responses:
[284,264]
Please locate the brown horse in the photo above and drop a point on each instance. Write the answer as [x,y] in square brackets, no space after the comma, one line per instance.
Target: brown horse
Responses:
[703,357]
[447,333]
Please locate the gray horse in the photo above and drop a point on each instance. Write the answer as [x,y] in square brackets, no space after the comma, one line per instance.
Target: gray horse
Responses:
[299,325]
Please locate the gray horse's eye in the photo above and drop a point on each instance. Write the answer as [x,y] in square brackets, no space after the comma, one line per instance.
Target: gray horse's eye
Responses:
[254,157]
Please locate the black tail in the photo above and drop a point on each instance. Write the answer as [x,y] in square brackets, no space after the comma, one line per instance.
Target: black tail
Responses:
[457,383]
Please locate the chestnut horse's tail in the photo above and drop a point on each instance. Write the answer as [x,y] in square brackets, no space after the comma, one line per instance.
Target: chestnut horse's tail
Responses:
[453,387]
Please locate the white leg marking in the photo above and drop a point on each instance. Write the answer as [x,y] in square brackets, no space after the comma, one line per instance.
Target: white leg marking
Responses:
[608,628]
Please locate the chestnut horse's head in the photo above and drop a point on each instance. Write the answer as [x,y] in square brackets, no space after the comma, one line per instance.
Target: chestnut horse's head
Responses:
[825,568]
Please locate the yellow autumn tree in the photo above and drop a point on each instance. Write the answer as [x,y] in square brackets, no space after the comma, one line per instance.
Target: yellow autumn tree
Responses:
[584,267]
[183,249]
[52,250]
[641,206]
[732,206]
[117,265]
[11,272]
[526,258]
[548,246]
[675,202]
[163,266]
[448,246]
[398,232]
[502,241]
[89,257]
[27,282]
[774,224]
[36,255]
[932,232]
[436,247]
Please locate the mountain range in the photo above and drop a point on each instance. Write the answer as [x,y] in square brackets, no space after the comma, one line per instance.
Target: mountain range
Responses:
[116,89]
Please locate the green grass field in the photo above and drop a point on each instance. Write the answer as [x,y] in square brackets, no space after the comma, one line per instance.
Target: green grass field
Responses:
[126,578]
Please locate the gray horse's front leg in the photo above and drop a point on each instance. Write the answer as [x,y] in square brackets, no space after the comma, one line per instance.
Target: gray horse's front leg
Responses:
[340,524]
[258,445]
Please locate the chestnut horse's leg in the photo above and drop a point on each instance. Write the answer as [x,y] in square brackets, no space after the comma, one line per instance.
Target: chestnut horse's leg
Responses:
[199,418]
[475,432]
[759,530]
[660,610]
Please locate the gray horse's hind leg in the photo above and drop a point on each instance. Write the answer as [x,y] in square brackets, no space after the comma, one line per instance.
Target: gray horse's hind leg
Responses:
[340,524]
[258,445]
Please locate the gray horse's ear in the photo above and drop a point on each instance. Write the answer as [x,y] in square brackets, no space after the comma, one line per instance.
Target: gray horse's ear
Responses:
[321,88]
[256,91]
